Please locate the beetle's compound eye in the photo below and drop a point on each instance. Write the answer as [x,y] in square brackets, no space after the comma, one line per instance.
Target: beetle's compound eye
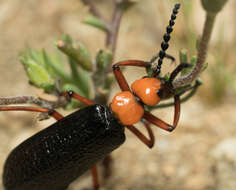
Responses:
[127,109]
[146,89]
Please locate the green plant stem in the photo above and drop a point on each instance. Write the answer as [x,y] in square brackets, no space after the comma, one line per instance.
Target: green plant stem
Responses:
[202,52]
[73,68]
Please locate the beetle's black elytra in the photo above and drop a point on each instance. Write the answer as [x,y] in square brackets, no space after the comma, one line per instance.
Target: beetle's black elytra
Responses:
[57,155]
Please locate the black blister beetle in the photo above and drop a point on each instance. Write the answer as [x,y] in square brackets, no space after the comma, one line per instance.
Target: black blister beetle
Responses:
[57,155]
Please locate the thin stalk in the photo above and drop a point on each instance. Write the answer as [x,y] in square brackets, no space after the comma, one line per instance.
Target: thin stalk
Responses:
[61,102]
[111,39]
[202,53]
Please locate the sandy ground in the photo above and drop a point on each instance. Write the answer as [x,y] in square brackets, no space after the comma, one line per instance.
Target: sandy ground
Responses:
[192,156]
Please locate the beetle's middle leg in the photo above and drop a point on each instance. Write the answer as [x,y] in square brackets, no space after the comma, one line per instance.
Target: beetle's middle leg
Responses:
[50,112]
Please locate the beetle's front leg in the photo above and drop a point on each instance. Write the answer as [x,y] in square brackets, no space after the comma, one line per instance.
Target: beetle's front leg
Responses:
[119,75]
[162,124]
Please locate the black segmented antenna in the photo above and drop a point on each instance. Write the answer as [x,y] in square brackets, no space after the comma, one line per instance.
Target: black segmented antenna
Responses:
[164,44]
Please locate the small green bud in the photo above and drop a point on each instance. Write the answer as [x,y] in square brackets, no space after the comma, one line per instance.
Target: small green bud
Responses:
[193,60]
[149,71]
[103,59]
[183,56]
[213,6]
[166,77]
[109,80]
[38,76]
[67,38]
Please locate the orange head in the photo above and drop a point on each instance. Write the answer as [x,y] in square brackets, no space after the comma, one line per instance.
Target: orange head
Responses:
[146,89]
[127,109]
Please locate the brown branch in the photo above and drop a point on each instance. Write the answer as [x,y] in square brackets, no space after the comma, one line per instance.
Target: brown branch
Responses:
[113,26]
[61,102]
[93,9]
[111,40]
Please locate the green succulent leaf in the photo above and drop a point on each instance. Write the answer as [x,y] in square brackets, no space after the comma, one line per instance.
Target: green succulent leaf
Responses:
[38,75]
[78,53]
[80,76]
[35,55]
[55,69]
[95,22]
[44,70]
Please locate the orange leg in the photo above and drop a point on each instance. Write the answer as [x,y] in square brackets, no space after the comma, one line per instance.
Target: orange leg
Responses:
[120,77]
[149,142]
[94,173]
[51,112]
[125,87]
[70,94]
[107,162]
[158,122]
[177,111]
[136,63]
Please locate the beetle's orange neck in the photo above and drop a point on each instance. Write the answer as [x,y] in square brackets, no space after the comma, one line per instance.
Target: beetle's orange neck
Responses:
[146,89]
[126,107]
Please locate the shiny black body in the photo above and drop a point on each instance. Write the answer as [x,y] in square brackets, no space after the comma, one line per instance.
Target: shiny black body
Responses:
[57,155]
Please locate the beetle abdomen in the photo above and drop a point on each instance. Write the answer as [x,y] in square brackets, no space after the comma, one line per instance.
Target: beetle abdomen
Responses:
[57,155]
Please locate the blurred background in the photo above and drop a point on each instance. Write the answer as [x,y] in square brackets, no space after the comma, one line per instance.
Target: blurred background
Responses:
[200,154]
